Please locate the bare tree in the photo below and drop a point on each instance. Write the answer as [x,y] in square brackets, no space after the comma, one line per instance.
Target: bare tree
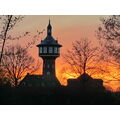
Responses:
[2,73]
[109,31]
[109,35]
[8,23]
[82,57]
[17,62]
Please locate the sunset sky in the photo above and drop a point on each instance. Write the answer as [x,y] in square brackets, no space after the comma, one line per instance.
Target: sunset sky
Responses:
[65,28]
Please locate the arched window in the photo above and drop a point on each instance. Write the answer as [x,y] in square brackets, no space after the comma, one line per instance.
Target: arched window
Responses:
[40,49]
[50,50]
[58,50]
[55,49]
[45,50]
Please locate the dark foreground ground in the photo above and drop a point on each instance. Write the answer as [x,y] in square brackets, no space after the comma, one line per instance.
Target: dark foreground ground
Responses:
[57,96]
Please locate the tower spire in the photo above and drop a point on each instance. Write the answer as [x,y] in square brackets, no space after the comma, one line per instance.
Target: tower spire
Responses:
[49,21]
[49,29]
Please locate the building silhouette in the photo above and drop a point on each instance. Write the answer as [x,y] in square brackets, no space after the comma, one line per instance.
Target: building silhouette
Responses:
[85,83]
[49,50]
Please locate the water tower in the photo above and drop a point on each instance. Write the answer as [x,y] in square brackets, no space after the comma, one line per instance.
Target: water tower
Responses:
[49,50]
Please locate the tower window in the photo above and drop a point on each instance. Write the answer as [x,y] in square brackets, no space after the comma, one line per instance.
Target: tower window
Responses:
[48,66]
[48,73]
[50,50]
[49,31]
[45,50]
[55,49]
[58,50]
[40,49]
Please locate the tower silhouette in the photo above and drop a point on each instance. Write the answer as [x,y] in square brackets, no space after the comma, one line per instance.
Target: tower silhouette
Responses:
[49,50]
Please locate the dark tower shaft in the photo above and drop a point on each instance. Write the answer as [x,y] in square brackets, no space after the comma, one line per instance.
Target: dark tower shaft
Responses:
[49,67]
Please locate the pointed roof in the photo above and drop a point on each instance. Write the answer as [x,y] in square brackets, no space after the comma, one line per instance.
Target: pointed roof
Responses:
[85,76]
[39,81]
[49,25]
[49,40]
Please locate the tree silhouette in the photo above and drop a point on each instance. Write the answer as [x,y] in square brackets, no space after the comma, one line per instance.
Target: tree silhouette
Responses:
[2,75]
[109,31]
[8,23]
[17,62]
[82,57]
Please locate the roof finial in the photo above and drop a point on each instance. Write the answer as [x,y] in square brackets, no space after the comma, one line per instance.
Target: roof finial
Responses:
[49,20]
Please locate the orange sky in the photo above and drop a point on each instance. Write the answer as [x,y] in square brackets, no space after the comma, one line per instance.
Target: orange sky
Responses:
[66,28]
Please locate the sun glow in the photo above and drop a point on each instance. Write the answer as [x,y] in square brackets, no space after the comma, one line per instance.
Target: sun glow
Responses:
[111,79]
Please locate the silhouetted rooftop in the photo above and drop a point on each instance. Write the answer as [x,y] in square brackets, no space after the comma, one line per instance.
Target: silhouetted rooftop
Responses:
[39,81]
[85,81]
[85,76]
[49,40]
